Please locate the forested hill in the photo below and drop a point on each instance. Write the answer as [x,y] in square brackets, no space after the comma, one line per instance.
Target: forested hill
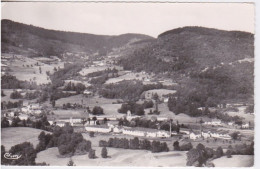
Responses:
[219,61]
[17,36]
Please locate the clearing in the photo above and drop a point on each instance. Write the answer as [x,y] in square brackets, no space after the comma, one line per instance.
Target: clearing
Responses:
[235,161]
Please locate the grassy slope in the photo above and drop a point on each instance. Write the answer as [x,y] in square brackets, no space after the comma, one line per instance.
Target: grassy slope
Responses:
[16,135]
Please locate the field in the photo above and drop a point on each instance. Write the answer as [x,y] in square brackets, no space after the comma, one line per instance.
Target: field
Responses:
[87,70]
[117,157]
[90,101]
[16,135]
[128,76]
[241,112]
[25,68]
[235,161]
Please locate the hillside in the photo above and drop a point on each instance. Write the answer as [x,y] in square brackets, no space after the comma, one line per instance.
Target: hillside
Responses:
[22,38]
[218,63]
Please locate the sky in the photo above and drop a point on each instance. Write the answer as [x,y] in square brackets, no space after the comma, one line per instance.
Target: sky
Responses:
[119,18]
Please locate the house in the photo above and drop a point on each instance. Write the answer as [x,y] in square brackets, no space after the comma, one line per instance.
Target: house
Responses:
[230,123]
[117,129]
[213,123]
[98,128]
[87,93]
[194,135]
[161,133]
[245,126]
[23,116]
[184,130]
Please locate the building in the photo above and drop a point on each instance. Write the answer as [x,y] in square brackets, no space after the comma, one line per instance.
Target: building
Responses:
[194,135]
[245,126]
[205,134]
[23,116]
[213,123]
[99,129]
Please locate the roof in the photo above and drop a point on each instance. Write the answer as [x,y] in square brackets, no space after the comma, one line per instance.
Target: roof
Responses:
[97,126]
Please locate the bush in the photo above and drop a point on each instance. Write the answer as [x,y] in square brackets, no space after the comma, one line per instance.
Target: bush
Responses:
[91,134]
[176,146]
[104,152]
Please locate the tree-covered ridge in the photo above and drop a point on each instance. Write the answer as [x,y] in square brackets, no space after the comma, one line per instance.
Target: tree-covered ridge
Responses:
[52,42]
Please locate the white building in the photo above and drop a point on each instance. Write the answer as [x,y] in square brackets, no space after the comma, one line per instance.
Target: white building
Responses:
[23,116]
[99,129]
[133,132]
[214,123]
[245,126]
[195,135]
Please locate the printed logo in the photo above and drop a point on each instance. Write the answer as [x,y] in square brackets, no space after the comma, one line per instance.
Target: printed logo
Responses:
[10,156]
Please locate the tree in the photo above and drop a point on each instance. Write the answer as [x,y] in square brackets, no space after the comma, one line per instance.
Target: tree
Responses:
[91,154]
[235,135]
[219,152]
[71,163]
[104,152]
[186,147]
[97,110]
[94,119]
[176,146]
[53,103]
[91,134]
[4,122]
[229,153]
[40,70]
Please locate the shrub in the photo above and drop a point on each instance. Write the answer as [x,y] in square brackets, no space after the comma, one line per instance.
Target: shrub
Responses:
[219,152]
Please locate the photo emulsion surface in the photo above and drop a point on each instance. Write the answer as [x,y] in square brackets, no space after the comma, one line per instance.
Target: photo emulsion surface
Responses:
[127,84]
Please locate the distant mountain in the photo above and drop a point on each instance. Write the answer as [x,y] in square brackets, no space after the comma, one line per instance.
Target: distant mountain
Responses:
[220,61]
[20,37]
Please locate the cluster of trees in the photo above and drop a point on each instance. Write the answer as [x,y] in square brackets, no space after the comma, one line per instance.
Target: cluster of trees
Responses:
[57,94]
[32,95]
[10,105]
[133,107]
[26,152]
[68,142]
[16,95]
[71,106]
[11,82]
[154,146]
[41,123]
[243,149]
[79,87]
[183,147]
[99,80]
[191,105]
[127,90]
[69,70]
[113,71]
[198,156]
